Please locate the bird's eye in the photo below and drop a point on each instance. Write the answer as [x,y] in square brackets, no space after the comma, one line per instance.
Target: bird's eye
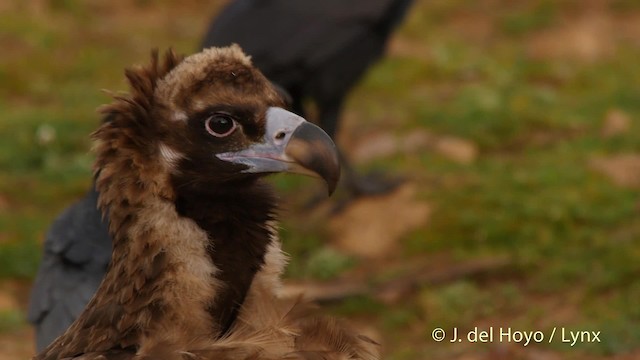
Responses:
[220,125]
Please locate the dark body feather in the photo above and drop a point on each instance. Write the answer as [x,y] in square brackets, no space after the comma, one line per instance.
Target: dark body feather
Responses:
[196,261]
[240,240]
[77,252]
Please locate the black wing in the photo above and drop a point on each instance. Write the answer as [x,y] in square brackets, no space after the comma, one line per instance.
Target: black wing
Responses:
[289,37]
[77,251]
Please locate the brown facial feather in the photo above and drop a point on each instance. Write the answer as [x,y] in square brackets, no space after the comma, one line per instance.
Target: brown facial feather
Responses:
[194,245]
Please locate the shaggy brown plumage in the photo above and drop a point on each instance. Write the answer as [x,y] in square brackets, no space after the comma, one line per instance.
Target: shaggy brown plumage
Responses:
[196,259]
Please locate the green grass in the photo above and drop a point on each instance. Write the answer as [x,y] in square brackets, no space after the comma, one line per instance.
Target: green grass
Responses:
[537,15]
[530,195]
[10,320]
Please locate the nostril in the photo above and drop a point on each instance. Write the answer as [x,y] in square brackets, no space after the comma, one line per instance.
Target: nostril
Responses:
[280,135]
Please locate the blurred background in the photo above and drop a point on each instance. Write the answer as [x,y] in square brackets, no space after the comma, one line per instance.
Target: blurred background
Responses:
[514,123]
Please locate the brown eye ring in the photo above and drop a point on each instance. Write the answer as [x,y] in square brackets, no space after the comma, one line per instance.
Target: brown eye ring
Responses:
[220,125]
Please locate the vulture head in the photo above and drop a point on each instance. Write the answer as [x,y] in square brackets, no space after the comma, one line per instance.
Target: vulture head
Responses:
[196,260]
[214,122]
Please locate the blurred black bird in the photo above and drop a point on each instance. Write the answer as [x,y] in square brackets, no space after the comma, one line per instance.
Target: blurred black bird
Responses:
[314,50]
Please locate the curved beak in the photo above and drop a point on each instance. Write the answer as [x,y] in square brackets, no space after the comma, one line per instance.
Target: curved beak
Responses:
[290,144]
